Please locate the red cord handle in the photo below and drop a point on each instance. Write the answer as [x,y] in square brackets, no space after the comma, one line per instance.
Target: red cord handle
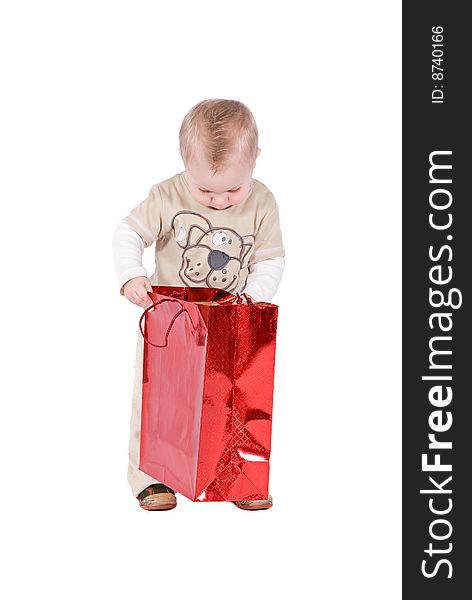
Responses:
[174,318]
[230,299]
[235,299]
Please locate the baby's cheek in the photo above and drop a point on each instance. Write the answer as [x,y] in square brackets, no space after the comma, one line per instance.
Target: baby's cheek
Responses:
[202,200]
[241,196]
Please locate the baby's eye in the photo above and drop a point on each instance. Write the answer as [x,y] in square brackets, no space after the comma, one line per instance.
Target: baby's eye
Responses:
[236,190]
[204,191]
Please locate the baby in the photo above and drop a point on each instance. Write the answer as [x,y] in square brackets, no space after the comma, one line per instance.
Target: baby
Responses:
[214,226]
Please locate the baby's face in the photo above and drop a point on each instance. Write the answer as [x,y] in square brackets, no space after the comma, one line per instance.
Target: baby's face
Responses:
[223,189]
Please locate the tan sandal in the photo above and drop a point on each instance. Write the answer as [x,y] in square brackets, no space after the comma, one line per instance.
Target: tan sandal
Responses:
[254,504]
[157,497]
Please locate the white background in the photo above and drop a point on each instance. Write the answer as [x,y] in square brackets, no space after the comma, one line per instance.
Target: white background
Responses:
[93,94]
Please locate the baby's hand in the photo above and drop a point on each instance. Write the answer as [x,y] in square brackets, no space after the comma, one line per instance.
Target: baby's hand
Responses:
[136,289]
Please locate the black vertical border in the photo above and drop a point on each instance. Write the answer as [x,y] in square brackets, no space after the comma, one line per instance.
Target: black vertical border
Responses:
[429,127]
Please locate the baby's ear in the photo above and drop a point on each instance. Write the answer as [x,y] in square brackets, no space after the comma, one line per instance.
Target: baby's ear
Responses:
[188,227]
[258,151]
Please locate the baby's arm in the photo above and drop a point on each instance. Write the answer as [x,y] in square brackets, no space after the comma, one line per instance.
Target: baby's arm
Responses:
[264,278]
[267,261]
[128,248]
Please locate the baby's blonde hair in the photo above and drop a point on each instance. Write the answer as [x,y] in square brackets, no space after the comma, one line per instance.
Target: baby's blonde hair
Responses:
[217,128]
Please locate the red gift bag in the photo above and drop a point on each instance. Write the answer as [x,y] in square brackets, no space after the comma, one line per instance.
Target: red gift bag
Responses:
[208,376]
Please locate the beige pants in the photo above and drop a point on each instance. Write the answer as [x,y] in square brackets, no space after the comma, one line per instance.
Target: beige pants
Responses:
[136,478]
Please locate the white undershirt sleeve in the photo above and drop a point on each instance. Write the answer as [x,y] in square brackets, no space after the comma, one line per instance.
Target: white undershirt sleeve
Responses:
[264,278]
[128,248]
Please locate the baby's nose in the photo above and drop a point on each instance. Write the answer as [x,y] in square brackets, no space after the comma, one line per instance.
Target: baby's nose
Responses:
[219,199]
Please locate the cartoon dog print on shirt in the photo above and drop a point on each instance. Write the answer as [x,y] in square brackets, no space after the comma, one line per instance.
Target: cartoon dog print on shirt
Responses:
[212,257]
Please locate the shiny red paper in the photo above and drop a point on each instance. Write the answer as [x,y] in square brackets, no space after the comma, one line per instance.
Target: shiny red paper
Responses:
[208,377]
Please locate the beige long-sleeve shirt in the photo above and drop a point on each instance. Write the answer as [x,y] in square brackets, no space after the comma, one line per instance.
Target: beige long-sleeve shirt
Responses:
[237,249]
